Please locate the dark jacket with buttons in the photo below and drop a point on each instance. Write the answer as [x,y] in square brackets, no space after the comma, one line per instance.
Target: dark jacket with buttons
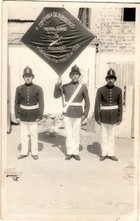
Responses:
[68,90]
[108,97]
[29,95]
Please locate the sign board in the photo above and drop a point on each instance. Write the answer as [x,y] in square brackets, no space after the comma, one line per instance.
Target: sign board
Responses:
[57,37]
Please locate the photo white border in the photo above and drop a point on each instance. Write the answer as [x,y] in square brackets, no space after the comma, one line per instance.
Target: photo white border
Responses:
[3,104]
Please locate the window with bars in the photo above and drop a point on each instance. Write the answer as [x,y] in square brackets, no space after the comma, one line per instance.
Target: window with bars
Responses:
[84,16]
[87,18]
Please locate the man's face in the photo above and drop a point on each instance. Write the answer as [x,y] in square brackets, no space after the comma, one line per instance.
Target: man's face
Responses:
[110,81]
[28,79]
[75,77]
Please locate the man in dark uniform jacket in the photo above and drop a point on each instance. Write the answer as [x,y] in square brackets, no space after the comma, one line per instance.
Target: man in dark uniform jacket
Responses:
[29,107]
[74,93]
[108,114]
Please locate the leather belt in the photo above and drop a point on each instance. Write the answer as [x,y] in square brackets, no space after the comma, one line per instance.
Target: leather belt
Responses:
[109,107]
[29,107]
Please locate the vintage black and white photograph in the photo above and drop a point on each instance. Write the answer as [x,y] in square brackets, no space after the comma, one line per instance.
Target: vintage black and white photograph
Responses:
[70,111]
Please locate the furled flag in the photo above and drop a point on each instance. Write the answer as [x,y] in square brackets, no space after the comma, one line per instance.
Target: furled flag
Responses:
[57,37]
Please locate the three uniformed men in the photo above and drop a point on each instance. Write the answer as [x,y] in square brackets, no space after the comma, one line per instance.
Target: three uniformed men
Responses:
[29,107]
[108,114]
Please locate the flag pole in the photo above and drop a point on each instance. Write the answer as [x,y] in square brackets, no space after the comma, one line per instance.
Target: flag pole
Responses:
[62,95]
[63,104]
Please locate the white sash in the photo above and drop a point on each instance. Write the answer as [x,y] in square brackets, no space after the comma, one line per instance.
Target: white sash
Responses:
[72,98]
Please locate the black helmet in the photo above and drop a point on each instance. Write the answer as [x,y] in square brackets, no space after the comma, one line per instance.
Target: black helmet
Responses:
[27,72]
[74,69]
[111,74]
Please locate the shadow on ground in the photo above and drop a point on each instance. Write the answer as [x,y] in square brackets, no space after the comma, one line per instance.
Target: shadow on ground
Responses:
[94,148]
[40,146]
[56,140]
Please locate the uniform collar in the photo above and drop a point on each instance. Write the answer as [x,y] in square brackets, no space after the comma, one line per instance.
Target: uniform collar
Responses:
[75,83]
[28,85]
[109,86]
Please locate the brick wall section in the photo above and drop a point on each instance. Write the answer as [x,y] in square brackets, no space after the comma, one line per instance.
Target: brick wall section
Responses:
[116,35]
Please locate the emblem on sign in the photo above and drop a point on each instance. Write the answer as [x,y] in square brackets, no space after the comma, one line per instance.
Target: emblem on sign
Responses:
[57,37]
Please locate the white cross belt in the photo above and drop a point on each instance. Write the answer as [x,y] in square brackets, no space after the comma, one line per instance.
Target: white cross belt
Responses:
[74,104]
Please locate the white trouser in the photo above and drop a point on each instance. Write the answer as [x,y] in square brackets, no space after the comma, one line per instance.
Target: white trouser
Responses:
[29,128]
[72,126]
[108,139]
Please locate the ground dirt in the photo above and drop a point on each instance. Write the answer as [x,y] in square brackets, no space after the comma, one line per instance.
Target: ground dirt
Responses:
[54,189]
